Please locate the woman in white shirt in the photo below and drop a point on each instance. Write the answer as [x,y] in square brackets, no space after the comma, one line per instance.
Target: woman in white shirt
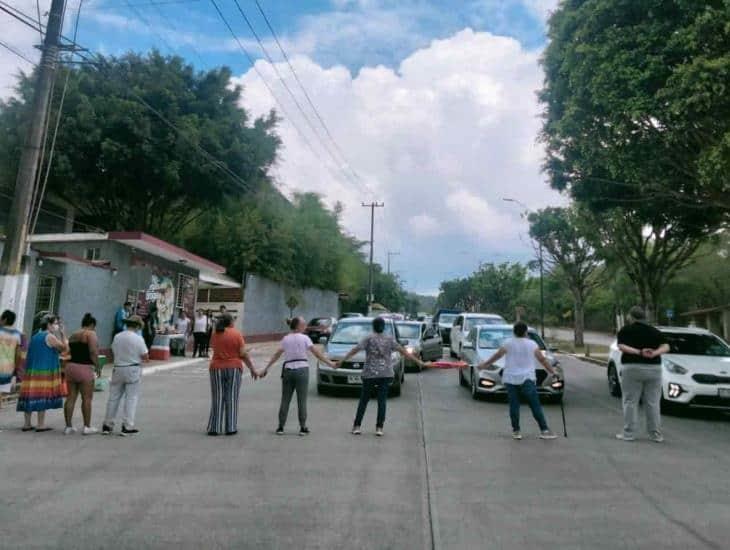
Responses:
[518,375]
[295,372]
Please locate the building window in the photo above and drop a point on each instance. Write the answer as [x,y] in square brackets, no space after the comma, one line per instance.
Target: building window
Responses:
[93,254]
[46,297]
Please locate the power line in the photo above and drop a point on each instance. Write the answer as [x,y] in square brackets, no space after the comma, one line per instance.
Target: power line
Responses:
[252,62]
[285,85]
[18,53]
[306,94]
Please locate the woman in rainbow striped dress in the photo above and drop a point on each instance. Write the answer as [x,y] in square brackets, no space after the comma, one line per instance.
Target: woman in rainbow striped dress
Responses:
[41,387]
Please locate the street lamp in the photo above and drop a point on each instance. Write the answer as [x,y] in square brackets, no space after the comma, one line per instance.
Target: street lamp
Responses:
[542,288]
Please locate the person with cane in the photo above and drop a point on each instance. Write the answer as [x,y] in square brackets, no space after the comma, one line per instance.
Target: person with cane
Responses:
[522,355]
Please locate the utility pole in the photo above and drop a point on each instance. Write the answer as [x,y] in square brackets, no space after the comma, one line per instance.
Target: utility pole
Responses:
[13,289]
[372,206]
[389,256]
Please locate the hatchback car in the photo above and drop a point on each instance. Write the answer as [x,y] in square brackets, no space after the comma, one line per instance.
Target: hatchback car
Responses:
[464,323]
[423,341]
[347,334]
[482,342]
[695,372]
[320,328]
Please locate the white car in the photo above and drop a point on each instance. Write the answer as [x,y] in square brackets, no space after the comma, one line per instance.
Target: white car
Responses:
[482,342]
[464,323]
[695,372]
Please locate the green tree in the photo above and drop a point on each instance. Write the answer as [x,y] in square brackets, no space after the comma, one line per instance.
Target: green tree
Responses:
[562,234]
[123,167]
[636,126]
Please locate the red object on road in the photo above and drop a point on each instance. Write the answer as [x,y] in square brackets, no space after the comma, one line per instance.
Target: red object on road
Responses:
[449,365]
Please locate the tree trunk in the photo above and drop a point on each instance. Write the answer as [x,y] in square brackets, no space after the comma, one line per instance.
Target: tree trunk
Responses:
[579,322]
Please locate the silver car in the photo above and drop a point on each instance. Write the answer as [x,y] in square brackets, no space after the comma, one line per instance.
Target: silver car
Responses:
[348,333]
[423,342]
[482,342]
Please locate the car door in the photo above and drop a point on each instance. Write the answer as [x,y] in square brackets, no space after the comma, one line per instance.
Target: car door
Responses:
[468,348]
[431,344]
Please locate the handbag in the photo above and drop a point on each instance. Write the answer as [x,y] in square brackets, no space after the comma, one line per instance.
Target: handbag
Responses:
[64,387]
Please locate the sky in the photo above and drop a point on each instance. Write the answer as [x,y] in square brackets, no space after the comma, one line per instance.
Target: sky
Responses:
[430,104]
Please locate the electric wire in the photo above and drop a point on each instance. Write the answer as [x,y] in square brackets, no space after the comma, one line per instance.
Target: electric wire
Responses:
[18,53]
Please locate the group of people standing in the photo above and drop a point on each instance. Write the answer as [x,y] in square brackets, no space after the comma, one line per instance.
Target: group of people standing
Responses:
[43,387]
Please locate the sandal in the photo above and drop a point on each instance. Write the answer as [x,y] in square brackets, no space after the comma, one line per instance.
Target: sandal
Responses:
[38,430]
[28,429]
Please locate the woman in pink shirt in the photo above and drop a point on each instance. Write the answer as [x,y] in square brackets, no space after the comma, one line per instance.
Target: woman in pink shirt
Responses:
[295,372]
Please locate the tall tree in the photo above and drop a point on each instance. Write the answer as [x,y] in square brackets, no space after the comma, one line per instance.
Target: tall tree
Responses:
[562,232]
[125,168]
[636,125]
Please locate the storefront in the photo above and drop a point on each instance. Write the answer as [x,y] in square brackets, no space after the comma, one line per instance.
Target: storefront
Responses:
[74,273]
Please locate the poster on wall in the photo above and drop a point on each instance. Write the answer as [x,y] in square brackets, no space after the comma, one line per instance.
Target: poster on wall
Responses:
[186,294]
[160,296]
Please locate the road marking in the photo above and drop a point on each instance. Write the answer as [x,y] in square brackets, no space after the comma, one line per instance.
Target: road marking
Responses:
[430,492]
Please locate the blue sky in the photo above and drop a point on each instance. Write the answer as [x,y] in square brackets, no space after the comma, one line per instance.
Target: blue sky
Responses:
[432,103]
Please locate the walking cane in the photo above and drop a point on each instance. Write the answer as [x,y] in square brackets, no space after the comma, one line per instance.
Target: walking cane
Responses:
[562,412]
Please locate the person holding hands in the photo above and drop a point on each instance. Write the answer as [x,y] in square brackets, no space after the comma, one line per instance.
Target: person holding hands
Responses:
[522,355]
[295,372]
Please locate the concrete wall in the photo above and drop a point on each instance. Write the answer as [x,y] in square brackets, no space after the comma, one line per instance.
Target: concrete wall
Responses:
[265,310]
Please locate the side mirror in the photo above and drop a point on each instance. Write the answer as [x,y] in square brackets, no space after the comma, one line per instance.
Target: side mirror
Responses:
[468,345]
[323,339]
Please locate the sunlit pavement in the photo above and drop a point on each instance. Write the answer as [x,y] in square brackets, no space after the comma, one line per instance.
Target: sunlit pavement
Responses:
[446,474]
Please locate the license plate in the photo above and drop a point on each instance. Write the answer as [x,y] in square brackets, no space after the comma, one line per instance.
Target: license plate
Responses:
[724,392]
[354,379]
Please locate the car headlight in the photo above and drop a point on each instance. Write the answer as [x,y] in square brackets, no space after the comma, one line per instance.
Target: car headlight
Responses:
[410,349]
[674,368]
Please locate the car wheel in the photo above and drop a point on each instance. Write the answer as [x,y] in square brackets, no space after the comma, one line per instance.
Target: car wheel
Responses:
[669,408]
[321,390]
[395,389]
[458,353]
[614,384]
[419,367]
[474,393]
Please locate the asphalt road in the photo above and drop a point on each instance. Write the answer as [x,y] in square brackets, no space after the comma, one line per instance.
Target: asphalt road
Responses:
[446,475]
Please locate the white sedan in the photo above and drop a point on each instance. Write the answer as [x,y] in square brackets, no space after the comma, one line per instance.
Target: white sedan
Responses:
[482,342]
[695,372]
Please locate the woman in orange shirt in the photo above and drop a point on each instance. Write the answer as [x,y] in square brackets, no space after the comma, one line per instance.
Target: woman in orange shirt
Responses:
[229,355]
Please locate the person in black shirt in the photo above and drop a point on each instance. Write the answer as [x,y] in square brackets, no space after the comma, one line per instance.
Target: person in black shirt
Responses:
[641,348]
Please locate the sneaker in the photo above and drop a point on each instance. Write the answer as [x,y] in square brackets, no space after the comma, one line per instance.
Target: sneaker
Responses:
[106,430]
[379,432]
[128,431]
[657,438]
[304,431]
[279,431]
[88,430]
[547,434]
[622,437]
[356,430]
[516,435]
[69,430]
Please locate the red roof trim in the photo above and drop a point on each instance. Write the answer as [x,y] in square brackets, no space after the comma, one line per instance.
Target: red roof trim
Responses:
[73,258]
[164,245]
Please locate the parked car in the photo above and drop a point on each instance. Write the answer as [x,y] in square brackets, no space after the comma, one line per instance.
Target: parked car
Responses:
[695,372]
[464,323]
[442,321]
[423,341]
[347,334]
[479,345]
[351,314]
[320,327]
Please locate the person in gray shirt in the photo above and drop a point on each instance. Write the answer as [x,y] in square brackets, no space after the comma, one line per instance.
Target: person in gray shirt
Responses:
[377,373]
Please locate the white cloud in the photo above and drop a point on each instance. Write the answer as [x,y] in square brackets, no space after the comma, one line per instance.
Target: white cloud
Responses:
[441,140]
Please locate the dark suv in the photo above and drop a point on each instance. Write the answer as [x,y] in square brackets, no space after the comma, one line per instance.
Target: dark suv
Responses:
[443,321]
[320,327]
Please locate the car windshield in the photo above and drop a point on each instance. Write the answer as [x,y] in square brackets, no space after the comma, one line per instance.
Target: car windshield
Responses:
[696,344]
[494,338]
[477,321]
[354,333]
[323,321]
[447,318]
[411,332]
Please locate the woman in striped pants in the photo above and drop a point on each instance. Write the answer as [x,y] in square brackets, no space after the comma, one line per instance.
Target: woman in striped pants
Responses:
[229,356]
